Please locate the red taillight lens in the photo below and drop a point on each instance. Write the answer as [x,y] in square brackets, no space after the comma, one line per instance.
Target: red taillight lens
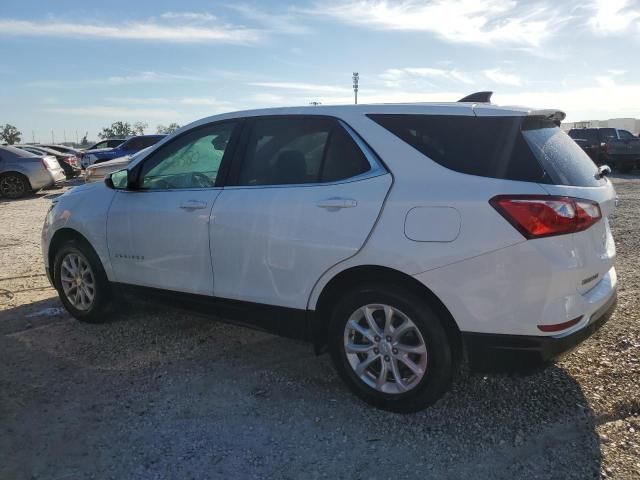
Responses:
[537,216]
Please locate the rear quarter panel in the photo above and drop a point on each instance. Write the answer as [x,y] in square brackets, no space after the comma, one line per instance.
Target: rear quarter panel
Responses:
[420,182]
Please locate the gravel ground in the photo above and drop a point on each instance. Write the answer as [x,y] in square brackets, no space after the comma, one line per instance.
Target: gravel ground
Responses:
[157,394]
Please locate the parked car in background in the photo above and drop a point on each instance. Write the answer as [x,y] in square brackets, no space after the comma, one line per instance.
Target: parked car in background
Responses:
[99,171]
[107,143]
[129,147]
[62,148]
[22,172]
[400,238]
[619,149]
[68,162]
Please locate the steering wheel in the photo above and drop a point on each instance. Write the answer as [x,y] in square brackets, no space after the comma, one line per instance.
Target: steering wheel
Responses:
[201,180]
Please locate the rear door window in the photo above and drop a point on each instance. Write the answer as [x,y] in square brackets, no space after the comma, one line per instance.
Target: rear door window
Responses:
[527,149]
[291,151]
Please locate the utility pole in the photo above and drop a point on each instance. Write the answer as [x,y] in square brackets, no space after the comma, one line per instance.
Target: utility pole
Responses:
[64,135]
[355,77]
[33,137]
[77,137]
[53,140]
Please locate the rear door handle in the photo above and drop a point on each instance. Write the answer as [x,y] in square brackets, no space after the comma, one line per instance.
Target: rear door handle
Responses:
[337,202]
[193,205]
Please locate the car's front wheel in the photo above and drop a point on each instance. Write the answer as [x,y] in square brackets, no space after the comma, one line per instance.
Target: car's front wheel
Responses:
[390,347]
[81,282]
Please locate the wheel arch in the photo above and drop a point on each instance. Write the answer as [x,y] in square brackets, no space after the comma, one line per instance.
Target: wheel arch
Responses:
[17,172]
[350,277]
[59,238]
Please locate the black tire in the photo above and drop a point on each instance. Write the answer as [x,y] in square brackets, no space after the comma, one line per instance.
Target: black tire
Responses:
[439,372]
[14,185]
[99,309]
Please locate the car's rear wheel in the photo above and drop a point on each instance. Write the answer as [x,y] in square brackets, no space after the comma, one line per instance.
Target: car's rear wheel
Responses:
[390,348]
[81,282]
[14,185]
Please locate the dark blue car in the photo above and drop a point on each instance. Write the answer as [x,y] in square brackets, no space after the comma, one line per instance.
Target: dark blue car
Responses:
[129,147]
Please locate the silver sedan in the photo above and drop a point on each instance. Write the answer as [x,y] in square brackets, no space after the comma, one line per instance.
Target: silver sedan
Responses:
[98,171]
[23,172]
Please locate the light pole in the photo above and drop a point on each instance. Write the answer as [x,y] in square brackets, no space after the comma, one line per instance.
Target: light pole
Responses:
[355,77]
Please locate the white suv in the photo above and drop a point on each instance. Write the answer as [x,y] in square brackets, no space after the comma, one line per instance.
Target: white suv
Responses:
[403,239]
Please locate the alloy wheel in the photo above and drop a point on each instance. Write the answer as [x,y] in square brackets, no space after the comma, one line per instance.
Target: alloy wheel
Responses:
[385,348]
[78,281]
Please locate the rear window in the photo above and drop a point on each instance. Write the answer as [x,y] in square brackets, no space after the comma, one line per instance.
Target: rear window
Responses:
[588,134]
[526,149]
[608,134]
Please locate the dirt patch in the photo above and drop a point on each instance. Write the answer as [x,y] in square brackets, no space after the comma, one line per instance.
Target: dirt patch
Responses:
[157,394]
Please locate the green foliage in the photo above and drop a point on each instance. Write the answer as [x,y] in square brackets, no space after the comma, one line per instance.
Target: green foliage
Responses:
[10,134]
[172,127]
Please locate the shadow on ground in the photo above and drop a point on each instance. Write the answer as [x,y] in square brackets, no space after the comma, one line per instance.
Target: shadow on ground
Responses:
[160,394]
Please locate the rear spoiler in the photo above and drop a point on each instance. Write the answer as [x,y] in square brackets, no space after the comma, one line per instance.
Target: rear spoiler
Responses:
[556,116]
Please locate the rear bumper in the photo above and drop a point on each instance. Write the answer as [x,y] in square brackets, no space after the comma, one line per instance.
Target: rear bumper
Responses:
[495,352]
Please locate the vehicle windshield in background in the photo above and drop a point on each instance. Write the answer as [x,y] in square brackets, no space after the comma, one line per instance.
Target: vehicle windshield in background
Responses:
[527,149]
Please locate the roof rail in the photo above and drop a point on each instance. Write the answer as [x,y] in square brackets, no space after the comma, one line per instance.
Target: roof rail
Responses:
[478,97]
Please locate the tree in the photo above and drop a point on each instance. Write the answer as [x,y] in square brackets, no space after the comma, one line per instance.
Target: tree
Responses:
[117,129]
[169,129]
[84,142]
[139,127]
[10,134]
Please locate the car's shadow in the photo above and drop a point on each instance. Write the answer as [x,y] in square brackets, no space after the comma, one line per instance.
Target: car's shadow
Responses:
[162,393]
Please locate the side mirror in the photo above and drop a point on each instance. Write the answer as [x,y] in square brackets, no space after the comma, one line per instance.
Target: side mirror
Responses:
[118,180]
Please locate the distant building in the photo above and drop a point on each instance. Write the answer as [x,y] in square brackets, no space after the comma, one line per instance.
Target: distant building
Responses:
[630,124]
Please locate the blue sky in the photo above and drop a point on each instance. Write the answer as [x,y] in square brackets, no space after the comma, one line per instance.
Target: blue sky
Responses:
[78,66]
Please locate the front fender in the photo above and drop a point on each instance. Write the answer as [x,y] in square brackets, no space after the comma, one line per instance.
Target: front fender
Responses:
[84,210]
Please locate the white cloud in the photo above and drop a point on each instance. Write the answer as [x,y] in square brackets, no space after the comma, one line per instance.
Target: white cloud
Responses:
[484,22]
[138,77]
[497,75]
[616,72]
[306,87]
[396,77]
[605,81]
[113,112]
[286,22]
[613,16]
[150,30]
[194,16]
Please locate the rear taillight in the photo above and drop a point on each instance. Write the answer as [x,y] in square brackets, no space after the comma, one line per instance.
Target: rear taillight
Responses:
[50,163]
[537,216]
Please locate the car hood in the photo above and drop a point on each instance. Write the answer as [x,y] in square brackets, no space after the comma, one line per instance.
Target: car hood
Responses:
[83,189]
[112,163]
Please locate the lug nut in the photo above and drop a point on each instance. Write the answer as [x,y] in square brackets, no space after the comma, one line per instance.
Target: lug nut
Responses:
[386,358]
[388,339]
[377,338]
[376,350]
[394,351]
